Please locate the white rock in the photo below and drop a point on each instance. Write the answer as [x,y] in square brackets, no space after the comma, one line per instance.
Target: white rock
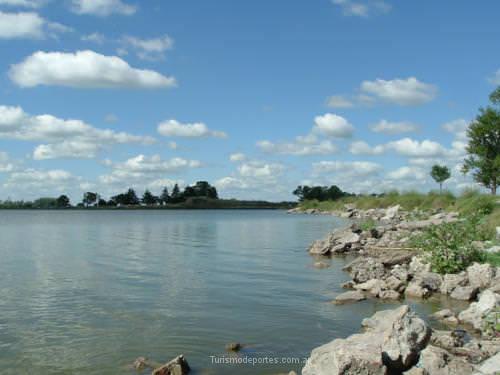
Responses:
[480,275]
[478,310]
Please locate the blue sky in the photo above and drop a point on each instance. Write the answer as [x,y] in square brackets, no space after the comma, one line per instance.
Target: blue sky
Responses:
[255,97]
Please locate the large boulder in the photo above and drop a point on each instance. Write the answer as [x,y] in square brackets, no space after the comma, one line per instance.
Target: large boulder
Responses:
[340,241]
[437,361]
[373,286]
[431,281]
[491,366]
[390,344]
[418,266]
[452,280]
[480,275]
[320,247]
[177,366]
[414,289]
[477,311]
[391,212]
[464,293]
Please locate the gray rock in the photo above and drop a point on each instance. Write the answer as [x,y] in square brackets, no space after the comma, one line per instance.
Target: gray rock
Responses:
[352,296]
[389,294]
[446,339]
[400,272]
[393,283]
[477,311]
[391,212]
[320,247]
[418,266]
[451,281]
[177,366]
[480,275]
[373,286]
[415,290]
[437,361]
[403,342]
[366,269]
[464,293]
[233,347]
[491,366]
[431,281]
[493,250]
[391,343]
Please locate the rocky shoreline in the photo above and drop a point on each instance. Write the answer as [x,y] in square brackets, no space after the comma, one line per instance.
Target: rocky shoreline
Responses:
[397,341]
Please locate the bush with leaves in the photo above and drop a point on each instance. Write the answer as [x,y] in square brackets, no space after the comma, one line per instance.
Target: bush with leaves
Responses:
[450,247]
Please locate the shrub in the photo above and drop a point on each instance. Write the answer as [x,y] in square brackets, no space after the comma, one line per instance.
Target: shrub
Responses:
[450,247]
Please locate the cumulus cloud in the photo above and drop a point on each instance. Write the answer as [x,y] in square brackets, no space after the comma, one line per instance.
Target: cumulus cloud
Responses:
[174,128]
[339,101]
[363,148]
[23,3]
[84,69]
[102,8]
[149,49]
[237,157]
[142,169]
[404,92]
[260,169]
[298,148]
[40,179]
[405,147]
[391,128]
[359,8]
[347,168]
[65,138]
[333,125]
[407,172]
[458,128]
[5,165]
[28,25]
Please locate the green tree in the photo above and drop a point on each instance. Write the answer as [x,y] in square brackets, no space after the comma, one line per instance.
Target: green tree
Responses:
[483,148]
[149,199]
[164,197]
[176,195]
[89,198]
[440,173]
[131,198]
[63,201]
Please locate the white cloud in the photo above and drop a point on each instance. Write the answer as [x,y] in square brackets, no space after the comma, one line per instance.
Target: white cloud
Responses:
[495,79]
[406,147]
[260,169]
[39,179]
[236,157]
[458,128]
[333,125]
[414,148]
[84,69]
[298,148]
[23,3]
[405,92]
[391,128]
[173,128]
[65,138]
[360,8]
[102,8]
[363,148]
[28,25]
[347,168]
[143,170]
[407,172]
[5,165]
[96,37]
[338,101]
[149,49]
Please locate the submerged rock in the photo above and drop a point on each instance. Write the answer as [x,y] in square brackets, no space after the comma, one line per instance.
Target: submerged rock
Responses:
[233,347]
[347,297]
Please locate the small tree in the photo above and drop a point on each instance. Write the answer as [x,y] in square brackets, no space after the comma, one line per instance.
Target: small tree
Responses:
[484,146]
[89,198]
[164,197]
[149,199]
[63,201]
[440,173]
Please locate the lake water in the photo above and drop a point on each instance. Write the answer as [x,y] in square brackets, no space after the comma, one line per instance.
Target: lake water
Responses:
[85,292]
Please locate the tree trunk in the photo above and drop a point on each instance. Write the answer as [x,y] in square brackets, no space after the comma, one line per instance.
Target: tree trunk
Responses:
[494,190]
[440,188]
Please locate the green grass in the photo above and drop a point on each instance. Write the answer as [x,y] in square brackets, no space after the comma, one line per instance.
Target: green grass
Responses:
[493,259]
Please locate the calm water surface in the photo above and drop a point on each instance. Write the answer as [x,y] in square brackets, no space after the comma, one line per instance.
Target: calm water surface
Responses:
[85,292]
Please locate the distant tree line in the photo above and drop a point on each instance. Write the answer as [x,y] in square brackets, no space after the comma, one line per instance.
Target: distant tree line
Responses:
[320,193]
[201,189]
